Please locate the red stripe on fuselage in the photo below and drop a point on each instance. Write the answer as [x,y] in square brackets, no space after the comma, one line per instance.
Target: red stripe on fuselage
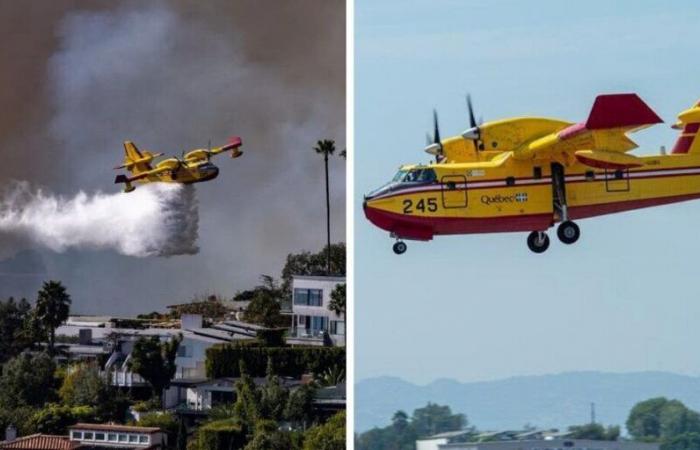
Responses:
[424,227]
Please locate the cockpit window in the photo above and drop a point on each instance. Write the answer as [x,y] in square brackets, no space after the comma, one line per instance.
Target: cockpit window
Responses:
[399,175]
[420,176]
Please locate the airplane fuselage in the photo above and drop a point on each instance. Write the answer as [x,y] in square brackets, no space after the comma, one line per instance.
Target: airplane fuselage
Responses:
[519,195]
[183,172]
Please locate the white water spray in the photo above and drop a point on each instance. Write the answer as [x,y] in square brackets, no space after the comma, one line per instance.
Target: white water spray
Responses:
[155,220]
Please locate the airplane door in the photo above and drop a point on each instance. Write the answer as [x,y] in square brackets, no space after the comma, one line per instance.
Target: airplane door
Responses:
[454,191]
[617,180]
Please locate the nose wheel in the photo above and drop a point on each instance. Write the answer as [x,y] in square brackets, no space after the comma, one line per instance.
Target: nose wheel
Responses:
[538,241]
[568,232]
[399,247]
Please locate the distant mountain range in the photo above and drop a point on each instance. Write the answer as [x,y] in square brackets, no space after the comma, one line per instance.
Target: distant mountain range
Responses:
[551,401]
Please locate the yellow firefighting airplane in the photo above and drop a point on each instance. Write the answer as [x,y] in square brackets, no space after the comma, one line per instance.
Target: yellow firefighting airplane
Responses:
[193,167]
[527,174]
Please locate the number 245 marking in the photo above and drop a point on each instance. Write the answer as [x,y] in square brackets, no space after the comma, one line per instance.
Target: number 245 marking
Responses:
[421,205]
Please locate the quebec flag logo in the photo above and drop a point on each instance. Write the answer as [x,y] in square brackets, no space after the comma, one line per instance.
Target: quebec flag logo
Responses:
[521,197]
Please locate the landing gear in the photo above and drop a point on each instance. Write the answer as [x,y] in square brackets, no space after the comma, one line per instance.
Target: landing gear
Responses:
[568,232]
[399,247]
[538,241]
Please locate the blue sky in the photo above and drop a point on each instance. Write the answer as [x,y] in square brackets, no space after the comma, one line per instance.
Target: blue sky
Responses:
[478,307]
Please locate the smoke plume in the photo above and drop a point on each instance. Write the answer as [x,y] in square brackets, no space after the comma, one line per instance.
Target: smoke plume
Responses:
[154,220]
[78,77]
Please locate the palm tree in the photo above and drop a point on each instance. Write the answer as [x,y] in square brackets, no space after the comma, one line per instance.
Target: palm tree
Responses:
[327,147]
[52,308]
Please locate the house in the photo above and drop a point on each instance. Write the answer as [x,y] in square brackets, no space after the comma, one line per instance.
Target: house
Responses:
[435,441]
[311,317]
[40,442]
[198,396]
[99,436]
[92,436]
[431,443]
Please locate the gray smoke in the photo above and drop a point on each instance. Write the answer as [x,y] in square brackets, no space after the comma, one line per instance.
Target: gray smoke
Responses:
[170,75]
[154,220]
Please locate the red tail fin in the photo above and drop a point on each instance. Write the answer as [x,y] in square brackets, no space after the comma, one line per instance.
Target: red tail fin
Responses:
[689,124]
[620,111]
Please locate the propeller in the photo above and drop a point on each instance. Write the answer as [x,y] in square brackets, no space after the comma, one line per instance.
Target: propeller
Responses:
[434,145]
[473,133]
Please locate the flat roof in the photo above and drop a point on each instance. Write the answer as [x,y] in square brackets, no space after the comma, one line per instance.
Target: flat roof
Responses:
[318,277]
[117,428]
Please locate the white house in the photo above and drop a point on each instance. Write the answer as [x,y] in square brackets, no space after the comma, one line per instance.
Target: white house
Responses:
[311,317]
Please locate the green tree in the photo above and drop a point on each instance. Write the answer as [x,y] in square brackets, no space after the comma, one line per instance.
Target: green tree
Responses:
[155,361]
[247,408]
[595,431]
[307,263]
[326,148]
[27,380]
[52,309]
[273,396]
[685,441]
[399,421]
[55,419]
[181,443]
[299,408]
[328,436]
[268,436]
[434,419]
[14,317]
[644,420]
[264,310]
[83,385]
[166,421]
[337,303]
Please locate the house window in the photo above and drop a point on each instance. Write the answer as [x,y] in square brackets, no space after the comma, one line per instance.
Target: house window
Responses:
[315,297]
[122,438]
[143,439]
[318,323]
[182,351]
[301,296]
[112,437]
[99,436]
[87,435]
[338,327]
[308,297]
[76,434]
[133,438]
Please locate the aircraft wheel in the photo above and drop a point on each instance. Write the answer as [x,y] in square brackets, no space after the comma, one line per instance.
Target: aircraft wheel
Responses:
[400,247]
[568,232]
[538,241]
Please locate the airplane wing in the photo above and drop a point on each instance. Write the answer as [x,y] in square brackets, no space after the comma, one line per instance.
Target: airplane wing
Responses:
[611,117]
[233,145]
[202,154]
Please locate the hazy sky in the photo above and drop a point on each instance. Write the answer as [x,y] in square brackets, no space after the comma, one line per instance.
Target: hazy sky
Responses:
[625,297]
[79,77]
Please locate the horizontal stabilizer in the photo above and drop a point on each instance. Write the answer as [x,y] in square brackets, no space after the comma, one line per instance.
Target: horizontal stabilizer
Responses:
[602,159]
[620,111]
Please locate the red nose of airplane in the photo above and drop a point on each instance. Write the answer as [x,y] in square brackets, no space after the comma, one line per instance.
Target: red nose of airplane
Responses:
[401,226]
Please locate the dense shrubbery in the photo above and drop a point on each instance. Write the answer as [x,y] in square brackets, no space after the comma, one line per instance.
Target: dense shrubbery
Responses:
[220,435]
[224,360]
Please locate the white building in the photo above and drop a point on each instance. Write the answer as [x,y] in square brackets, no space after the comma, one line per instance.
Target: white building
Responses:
[89,435]
[311,317]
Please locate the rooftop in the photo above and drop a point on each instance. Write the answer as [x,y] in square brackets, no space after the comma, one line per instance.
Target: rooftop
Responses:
[40,442]
[339,279]
[111,427]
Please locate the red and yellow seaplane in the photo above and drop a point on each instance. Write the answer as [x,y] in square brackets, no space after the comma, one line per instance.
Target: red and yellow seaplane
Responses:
[193,167]
[529,173]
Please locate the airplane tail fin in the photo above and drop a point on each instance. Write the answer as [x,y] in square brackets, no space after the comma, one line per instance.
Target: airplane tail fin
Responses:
[620,111]
[128,187]
[689,124]
[136,161]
